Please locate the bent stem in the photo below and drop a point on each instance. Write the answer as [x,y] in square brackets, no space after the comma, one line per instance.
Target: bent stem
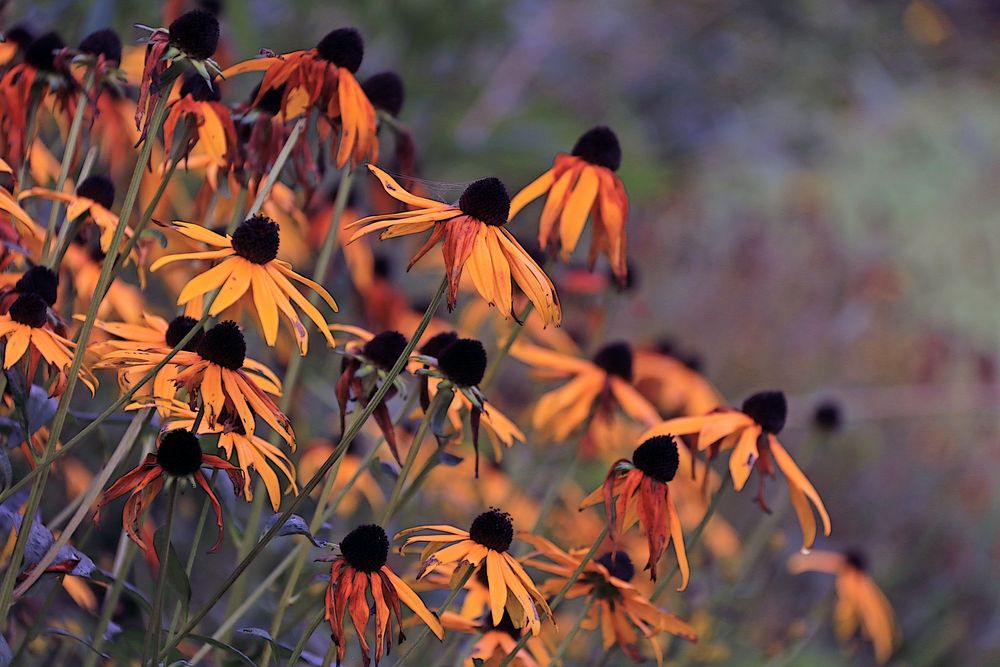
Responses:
[561,595]
[73,374]
[318,476]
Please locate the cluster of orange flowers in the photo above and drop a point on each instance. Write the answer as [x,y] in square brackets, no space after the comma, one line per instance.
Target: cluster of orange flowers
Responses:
[69,309]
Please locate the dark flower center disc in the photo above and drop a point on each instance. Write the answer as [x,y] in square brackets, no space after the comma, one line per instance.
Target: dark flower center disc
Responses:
[486,200]
[98,188]
[618,565]
[384,349]
[178,328]
[657,458]
[224,345]
[196,34]
[179,453]
[615,359]
[39,280]
[599,146]
[769,409]
[343,47]
[257,239]
[463,362]
[493,529]
[365,548]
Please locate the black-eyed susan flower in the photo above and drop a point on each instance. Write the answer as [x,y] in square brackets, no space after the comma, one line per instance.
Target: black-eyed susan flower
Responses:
[252,452]
[474,240]
[751,435]
[638,491]
[861,605]
[603,384]
[39,280]
[192,37]
[25,331]
[263,131]
[361,569]
[367,362]
[323,78]
[154,335]
[581,185]
[457,366]
[178,458]
[623,613]
[248,263]
[386,92]
[210,123]
[486,543]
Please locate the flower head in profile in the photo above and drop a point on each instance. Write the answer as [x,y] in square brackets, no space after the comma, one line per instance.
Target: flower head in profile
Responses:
[861,605]
[750,434]
[322,78]
[191,38]
[359,570]
[638,491]
[454,367]
[27,334]
[579,186]
[248,264]
[367,362]
[474,239]
[622,612]
[178,458]
[202,121]
[598,388]
[487,544]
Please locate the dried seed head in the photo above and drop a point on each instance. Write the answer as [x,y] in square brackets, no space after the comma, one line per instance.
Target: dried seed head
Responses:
[179,453]
[270,101]
[343,47]
[463,362]
[486,200]
[30,310]
[436,345]
[195,34]
[105,43]
[178,328]
[39,280]
[257,239]
[365,548]
[384,349]
[41,52]
[599,146]
[224,345]
[618,565]
[657,458]
[199,89]
[97,188]
[615,359]
[493,529]
[769,409]
[385,91]
[828,416]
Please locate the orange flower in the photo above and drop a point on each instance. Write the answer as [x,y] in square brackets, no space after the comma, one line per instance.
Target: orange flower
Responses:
[860,603]
[579,186]
[474,238]
[638,491]
[673,386]
[323,78]
[604,383]
[623,613]
[248,261]
[178,457]
[751,434]
[361,567]
[486,542]
[25,331]
[211,122]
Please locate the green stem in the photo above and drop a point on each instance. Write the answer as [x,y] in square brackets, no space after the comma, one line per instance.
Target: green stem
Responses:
[67,159]
[156,621]
[561,595]
[73,375]
[691,542]
[452,594]
[345,442]
[568,639]
[411,456]
[504,350]
[272,175]
[300,645]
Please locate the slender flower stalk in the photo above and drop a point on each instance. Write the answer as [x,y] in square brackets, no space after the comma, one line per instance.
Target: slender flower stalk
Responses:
[155,630]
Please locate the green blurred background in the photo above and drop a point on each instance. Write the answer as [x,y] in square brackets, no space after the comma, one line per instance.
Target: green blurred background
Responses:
[815,193]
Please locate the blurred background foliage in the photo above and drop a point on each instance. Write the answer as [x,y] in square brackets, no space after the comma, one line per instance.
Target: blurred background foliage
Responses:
[815,201]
